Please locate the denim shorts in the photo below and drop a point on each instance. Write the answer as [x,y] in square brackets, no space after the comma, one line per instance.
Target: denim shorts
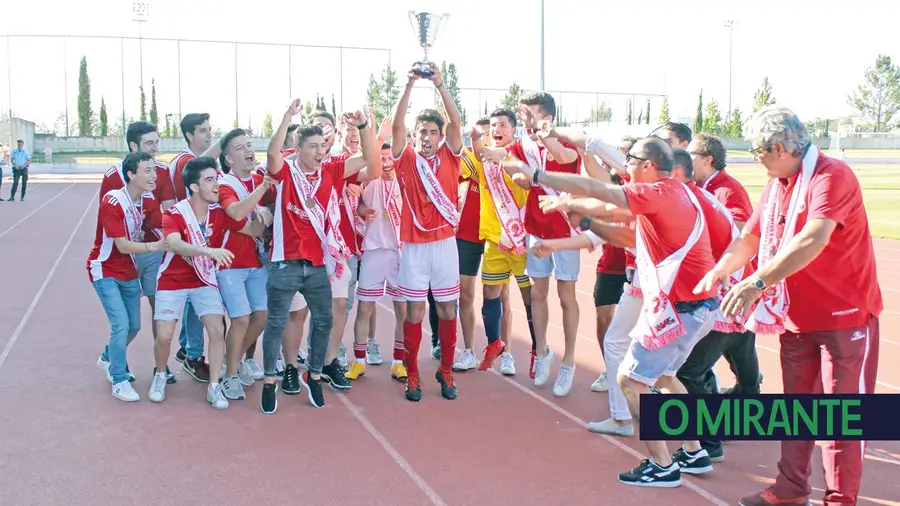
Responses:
[148,267]
[564,264]
[647,366]
[243,290]
[205,300]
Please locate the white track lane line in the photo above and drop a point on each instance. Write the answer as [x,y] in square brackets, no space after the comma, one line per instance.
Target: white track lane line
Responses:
[709,496]
[40,292]
[38,209]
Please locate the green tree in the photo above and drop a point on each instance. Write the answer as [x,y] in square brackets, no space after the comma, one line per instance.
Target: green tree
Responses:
[878,99]
[382,93]
[104,120]
[333,111]
[154,113]
[647,117]
[451,83]
[698,120]
[168,131]
[511,100]
[601,114]
[763,96]
[85,113]
[664,110]
[267,129]
[628,112]
[234,124]
[143,104]
[640,118]
[712,118]
[735,126]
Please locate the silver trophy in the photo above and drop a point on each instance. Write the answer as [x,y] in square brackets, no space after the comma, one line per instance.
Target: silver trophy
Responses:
[427,27]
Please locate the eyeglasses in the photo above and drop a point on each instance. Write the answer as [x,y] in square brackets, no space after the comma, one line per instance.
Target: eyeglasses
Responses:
[630,157]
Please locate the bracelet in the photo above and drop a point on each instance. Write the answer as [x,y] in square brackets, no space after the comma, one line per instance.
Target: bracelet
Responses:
[364,125]
[147,246]
[534,179]
[585,223]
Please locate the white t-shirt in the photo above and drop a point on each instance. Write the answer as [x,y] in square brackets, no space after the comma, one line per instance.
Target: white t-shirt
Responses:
[379,231]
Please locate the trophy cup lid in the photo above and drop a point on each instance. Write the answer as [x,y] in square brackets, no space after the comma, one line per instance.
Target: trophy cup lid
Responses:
[427,26]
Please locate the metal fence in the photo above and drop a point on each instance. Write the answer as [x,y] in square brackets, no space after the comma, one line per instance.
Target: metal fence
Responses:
[234,81]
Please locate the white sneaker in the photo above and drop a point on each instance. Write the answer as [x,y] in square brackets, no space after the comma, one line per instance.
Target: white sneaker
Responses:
[255,370]
[465,361]
[507,364]
[542,367]
[601,384]
[302,355]
[158,387]
[245,374]
[216,396]
[125,392]
[279,368]
[373,353]
[610,427]
[563,383]
[104,366]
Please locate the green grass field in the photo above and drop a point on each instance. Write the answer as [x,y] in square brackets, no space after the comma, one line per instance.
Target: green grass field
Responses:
[881,193]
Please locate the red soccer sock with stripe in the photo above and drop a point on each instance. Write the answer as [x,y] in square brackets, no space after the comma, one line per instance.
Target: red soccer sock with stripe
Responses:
[359,352]
[399,351]
[412,338]
[447,333]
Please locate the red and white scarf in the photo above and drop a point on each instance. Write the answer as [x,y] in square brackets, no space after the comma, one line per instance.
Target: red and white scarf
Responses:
[134,214]
[351,204]
[659,322]
[768,313]
[174,162]
[235,183]
[325,221]
[726,324]
[436,194]
[204,266]
[537,159]
[391,205]
[512,226]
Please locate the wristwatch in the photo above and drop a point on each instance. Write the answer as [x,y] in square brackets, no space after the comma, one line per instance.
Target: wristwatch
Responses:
[534,178]
[585,223]
[758,283]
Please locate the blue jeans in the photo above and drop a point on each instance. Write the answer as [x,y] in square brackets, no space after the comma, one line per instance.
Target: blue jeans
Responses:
[191,337]
[122,302]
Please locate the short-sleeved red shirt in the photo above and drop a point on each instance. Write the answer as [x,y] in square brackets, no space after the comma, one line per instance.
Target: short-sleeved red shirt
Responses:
[839,288]
[243,246]
[730,192]
[537,223]
[105,260]
[666,216]
[445,165]
[612,261]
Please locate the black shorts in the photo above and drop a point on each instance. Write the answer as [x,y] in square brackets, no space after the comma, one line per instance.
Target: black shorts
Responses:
[469,256]
[608,289]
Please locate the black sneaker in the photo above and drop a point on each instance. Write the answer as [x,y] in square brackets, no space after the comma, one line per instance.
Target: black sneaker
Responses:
[716,454]
[290,383]
[651,474]
[269,401]
[170,377]
[314,388]
[333,373]
[448,389]
[180,355]
[413,389]
[692,463]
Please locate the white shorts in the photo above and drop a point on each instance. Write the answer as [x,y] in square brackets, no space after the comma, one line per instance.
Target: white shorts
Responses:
[433,265]
[340,288]
[205,300]
[379,267]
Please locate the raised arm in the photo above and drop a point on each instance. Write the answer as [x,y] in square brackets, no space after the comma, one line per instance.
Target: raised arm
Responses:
[572,183]
[369,164]
[274,160]
[398,130]
[453,129]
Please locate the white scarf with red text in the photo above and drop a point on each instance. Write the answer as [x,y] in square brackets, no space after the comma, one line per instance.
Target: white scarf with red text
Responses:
[436,194]
[235,183]
[333,246]
[512,226]
[768,313]
[134,215]
[537,159]
[391,205]
[204,266]
[659,322]
[726,324]
[351,204]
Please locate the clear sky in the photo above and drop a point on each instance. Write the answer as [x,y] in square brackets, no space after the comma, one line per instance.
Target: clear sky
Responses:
[814,53]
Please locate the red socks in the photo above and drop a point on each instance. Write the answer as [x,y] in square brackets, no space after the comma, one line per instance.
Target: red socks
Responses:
[359,350]
[447,333]
[412,337]
[399,350]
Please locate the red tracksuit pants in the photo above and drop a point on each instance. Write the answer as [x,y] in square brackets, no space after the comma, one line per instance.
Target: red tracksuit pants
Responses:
[833,362]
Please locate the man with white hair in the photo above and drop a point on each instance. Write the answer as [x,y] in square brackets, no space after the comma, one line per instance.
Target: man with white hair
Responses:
[816,287]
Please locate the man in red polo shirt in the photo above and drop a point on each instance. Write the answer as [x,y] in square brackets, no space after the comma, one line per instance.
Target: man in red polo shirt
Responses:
[673,251]
[816,286]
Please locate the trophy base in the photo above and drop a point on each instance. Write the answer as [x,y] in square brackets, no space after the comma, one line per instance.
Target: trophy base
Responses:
[422,70]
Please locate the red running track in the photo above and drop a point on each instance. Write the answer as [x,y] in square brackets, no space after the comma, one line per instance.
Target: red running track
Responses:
[65,440]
